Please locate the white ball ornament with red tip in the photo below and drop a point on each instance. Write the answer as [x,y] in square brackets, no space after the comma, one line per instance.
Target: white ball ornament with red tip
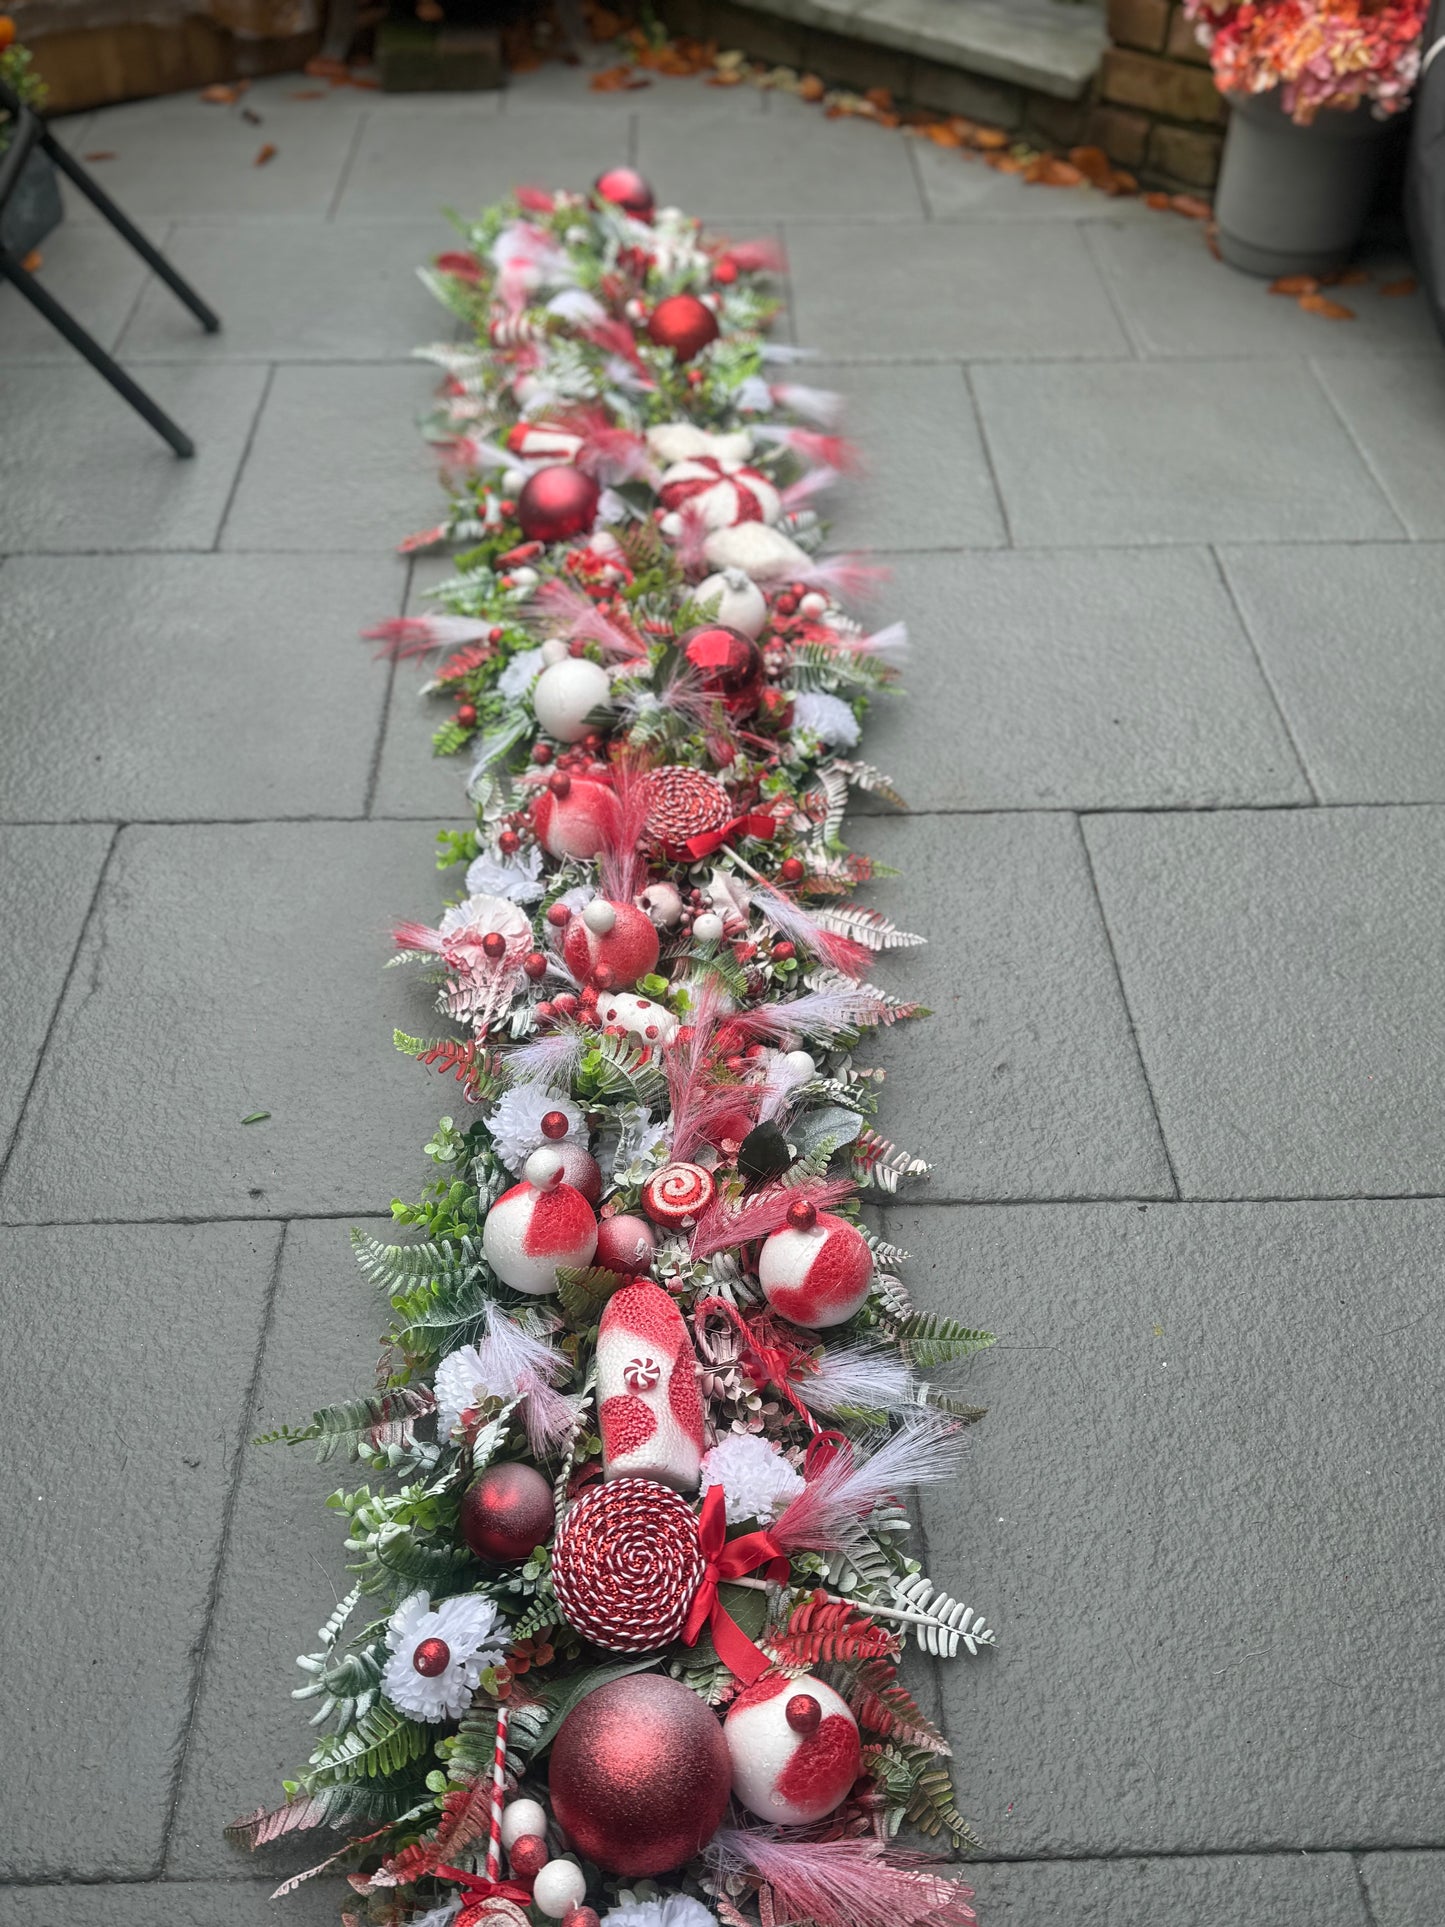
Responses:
[817,1270]
[610,945]
[520,1817]
[741,604]
[565,695]
[574,816]
[539,1225]
[795,1750]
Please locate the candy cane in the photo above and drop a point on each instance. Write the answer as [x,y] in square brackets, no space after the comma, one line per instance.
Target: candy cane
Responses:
[499,1787]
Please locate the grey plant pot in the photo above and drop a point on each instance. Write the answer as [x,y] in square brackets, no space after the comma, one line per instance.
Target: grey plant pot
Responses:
[34,208]
[1293,200]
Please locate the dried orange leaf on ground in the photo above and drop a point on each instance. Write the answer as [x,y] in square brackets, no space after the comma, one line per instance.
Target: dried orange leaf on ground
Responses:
[1056,173]
[1321,304]
[1120,181]
[1157,200]
[219,95]
[108,154]
[267,153]
[990,138]
[1092,163]
[1006,163]
[1294,284]
[1407,284]
[725,77]
[943,136]
[811,87]
[1211,240]
[616,80]
[33,262]
[879,97]
[1191,207]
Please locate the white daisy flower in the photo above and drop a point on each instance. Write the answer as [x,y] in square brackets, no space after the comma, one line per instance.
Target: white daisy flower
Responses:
[675,1910]
[437,1657]
[757,1481]
[520,673]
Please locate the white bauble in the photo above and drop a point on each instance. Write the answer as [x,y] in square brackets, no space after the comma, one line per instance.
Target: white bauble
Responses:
[566,693]
[523,1816]
[784,1774]
[642,1017]
[741,603]
[559,1887]
[708,927]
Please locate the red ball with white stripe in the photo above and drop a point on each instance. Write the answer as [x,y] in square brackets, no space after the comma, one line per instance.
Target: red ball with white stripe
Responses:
[721,491]
[649,1407]
[610,945]
[795,1749]
[817,1270]
[539,1225]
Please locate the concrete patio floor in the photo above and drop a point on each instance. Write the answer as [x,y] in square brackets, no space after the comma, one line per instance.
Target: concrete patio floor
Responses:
[1173,555]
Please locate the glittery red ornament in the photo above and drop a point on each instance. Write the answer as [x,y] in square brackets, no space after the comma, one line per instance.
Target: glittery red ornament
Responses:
[682,803]
[626,1565]
[728,665]
[507,1513]
[640,1775]
[684,324]
[432,1658]
[527,1856]
[558,503]
[625,188]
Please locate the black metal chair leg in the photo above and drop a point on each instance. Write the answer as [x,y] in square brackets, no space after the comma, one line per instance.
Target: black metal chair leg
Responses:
[103,364]
[127,228]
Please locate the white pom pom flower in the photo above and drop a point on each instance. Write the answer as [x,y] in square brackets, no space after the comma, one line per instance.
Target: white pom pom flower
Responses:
[676,1910]
[518,881]
[516,1123]
[437,1657]
[519,675]
[827,717]
[757,1481]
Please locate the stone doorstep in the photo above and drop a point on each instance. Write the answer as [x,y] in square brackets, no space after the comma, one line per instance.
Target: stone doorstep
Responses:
[1048,45]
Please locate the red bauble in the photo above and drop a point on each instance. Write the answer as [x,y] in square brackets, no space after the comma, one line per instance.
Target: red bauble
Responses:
[432,1658]
[640,1775]
[625,1244]
[684,324]
[558,503]
[578,821]
[626,1565]
[626,950]
[527,1856]
[728,665]
[625,188]
[507,1513]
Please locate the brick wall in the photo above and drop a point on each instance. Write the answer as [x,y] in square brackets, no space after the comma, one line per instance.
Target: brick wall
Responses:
[1158,110]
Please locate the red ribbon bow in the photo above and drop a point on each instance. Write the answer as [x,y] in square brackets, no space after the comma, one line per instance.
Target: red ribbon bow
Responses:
[757,823]
[730,1559]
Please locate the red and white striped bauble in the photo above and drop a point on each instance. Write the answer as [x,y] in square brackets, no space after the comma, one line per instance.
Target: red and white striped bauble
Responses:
[795,1749]
[610,944]
[540,1224]
[678,1194]
[649,1408]
[721,491]
[544,442]
[625,1565]
[578,818]
[818,1275]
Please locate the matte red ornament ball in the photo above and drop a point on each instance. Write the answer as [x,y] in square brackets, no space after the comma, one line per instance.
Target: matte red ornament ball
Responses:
[640,1775]
[507,1513]
[728,664]
[684,324]
[432,1658]
[627,189]
[790,870]
[558,503]
[527,1856]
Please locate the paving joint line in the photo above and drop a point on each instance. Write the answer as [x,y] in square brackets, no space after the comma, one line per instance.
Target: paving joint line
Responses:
[213,1594]
[986,445]
[1311,364]
[1268,679]
[1116,307]
[1367,1905]
[373,775]
[249,444]
[353,147]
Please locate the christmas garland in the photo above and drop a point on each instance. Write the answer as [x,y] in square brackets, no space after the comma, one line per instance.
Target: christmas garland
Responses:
[632,1584]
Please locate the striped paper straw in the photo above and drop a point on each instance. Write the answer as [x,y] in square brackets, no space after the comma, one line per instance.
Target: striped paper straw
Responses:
[499,1787]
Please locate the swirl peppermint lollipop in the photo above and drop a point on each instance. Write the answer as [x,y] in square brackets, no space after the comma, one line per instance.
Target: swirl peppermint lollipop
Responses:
[626,1564]
[678,1194]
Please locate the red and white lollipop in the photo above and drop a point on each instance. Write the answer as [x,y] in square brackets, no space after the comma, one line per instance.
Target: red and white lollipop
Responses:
[648,1405]
[795,1749]
[678,1194]
[817,1270]
[540,1224]
[610,944]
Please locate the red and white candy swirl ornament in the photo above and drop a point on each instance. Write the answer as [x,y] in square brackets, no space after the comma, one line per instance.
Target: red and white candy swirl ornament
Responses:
[678,1194]
[720,491]
[626,1564]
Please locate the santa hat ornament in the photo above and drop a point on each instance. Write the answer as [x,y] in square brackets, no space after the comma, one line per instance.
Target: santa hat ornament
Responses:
[721,492]
[684,324]
[574,816]
[741,604]
[610,944]
[795,1750]
[565,695]
[539,1225]
[817,1271]
[649,1408]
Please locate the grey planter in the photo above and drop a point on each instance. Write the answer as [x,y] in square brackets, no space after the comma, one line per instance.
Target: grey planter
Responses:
[1293,200]
[33,209]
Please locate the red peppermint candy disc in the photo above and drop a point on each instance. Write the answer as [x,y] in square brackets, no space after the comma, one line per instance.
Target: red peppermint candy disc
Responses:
[678,1193]
[626,1565]
[682,803]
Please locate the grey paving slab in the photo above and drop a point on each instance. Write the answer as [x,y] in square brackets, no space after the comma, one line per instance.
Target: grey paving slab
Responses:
[790,168]
[1351,640]
[1024,1083]
[1076,681]
[959,185]
[925,481]
[200,1903]
[1405,1889]
[90,271]
[464,153]
[411,780]
[227,970]
[1176,299]
[1191,451]
[935,293]
[80,471]
[182,156]
[271,707]
[289,292]
[1281,971]
[48,876]
[1395,409]
[284,1566]
[1193,1514]
[129,1379]
[337,462]
[1262,1890]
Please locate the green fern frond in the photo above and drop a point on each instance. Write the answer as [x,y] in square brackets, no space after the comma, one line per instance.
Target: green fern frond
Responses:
[380,1744]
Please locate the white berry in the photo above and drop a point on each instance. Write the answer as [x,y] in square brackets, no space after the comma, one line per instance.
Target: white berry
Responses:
[559,1887]
[523,1816]
[708,927]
